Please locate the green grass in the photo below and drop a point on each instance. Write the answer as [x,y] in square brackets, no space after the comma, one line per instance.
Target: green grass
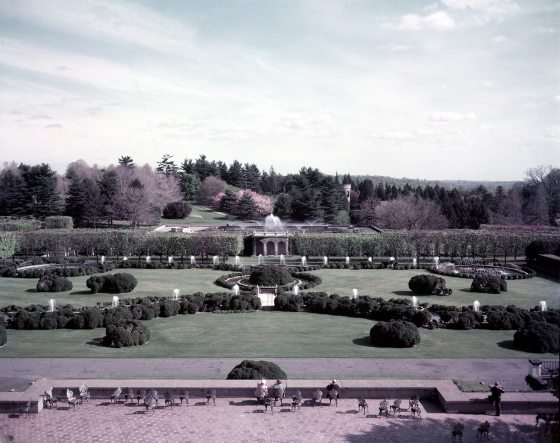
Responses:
[262,334]
[387,284]
[21,291]
[202,215]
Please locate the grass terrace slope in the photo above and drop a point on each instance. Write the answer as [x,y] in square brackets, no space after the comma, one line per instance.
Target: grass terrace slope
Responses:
[263,334]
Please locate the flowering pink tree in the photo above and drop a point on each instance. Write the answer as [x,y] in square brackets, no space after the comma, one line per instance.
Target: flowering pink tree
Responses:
[263,202]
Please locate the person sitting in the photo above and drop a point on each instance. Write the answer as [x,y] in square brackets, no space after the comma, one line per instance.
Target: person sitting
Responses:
[278,390]
[457,431]
[483,430]
[333,392]
[261,391]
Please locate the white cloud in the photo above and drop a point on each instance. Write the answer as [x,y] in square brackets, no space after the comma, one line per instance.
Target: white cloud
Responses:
[499,39]
[453,116]
[438,21]
[556,98]
[53,126]
[488,9]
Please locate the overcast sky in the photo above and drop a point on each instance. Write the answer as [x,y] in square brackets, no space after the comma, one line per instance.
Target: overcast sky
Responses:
[449,89]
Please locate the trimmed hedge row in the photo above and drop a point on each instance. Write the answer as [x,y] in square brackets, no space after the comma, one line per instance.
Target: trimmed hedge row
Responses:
[489,284]
[126,333]
[53,283]
[394,334]
[112,284]
[3,336]
[428,285]
[63,271]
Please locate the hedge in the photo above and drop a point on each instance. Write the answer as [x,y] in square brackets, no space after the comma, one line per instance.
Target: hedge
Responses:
[53,283]
[112,284]
[19,224]
[3,336]
[270,276]
[489,284]
[8,244]
[538,337]
[59,222]
[255,370]
[428,285]
[126,333]
[395,334]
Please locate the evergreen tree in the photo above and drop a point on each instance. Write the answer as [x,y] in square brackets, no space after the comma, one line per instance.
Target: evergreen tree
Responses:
[366,190]
[252,177]
[94,206]
[228,203]
[235,175]
[246,208]
[108,188]
[167,166]
[76,201]
[40,196]
[283,206]
[12,193]
[126,161]
[190,183]
[329,199]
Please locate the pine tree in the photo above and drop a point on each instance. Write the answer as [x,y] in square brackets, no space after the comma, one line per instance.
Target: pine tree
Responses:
[246,208]
[235,174]
[76,201]
[108,187]
[41,197]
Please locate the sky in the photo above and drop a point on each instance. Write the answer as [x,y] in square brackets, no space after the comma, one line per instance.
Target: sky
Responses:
[448,89]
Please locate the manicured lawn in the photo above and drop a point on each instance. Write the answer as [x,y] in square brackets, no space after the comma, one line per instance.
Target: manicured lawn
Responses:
[21,291]
[262,334]
[387,284]
[202,215]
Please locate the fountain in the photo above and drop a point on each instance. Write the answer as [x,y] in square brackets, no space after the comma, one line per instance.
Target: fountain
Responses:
[282,259]
[354,293]
[170,259]
[125,258]
[414,301]
[175,294]
[148,259]
[304,261]
[272,223]
[259,259]
[236,289]
[347,260]
[237,260]
[258,290]
[193,260]
[215,260]
[325,260]
[102,260]
[295,289]
[543,305]
[115,303]
[436,262]
[476,306]
[391,259]
[414,262]
[370,259]
[52,305]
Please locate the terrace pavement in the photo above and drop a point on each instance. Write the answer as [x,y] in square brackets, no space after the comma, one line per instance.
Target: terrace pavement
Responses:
[239,420]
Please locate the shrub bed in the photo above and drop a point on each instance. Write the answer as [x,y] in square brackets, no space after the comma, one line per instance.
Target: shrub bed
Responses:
[270,276]
[395,334]
[112,284]
[53,283]
[489,284]
[428,285]
[255,370]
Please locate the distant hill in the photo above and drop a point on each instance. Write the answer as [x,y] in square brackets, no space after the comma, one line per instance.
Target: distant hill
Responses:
[464,185]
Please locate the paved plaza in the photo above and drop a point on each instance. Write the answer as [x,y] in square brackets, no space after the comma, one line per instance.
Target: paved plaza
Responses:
[241,420]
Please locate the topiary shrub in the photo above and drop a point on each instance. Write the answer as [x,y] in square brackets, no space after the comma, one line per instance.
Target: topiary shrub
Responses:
[271,276]
[93,318]
[395,334]
[53,283]
[3,336]
[169,308]
[428,285]
[489,284]
[538,337]
[112,284]
[464,321]
[254,370]
[126,333]
[178,209]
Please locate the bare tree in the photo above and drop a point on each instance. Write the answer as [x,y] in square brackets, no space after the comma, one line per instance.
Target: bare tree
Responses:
[410,213]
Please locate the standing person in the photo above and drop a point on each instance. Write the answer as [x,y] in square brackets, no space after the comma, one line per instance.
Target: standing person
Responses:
[496,392]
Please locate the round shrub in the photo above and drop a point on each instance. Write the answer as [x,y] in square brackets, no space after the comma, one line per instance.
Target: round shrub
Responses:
[112,284]
[464,321]
[254,370]
[169,308]
[395,334]
[126,333]
[428,285]
[3,336]
[489,284]
[271,276]
[53,283]
[178,209]
[59,222]
[538,337]
[93,318]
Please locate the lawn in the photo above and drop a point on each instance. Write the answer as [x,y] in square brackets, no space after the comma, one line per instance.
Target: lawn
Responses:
[388,283]
[262,334]
[21,291]
[203,215]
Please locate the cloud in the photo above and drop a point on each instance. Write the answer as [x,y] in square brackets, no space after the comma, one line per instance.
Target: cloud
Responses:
[556,98]
[486,10]
[437,21]
[453,116]
[53,126]
[40,117]
[499,39]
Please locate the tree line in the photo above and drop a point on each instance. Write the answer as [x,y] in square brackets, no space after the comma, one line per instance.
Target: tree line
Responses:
[125,191]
